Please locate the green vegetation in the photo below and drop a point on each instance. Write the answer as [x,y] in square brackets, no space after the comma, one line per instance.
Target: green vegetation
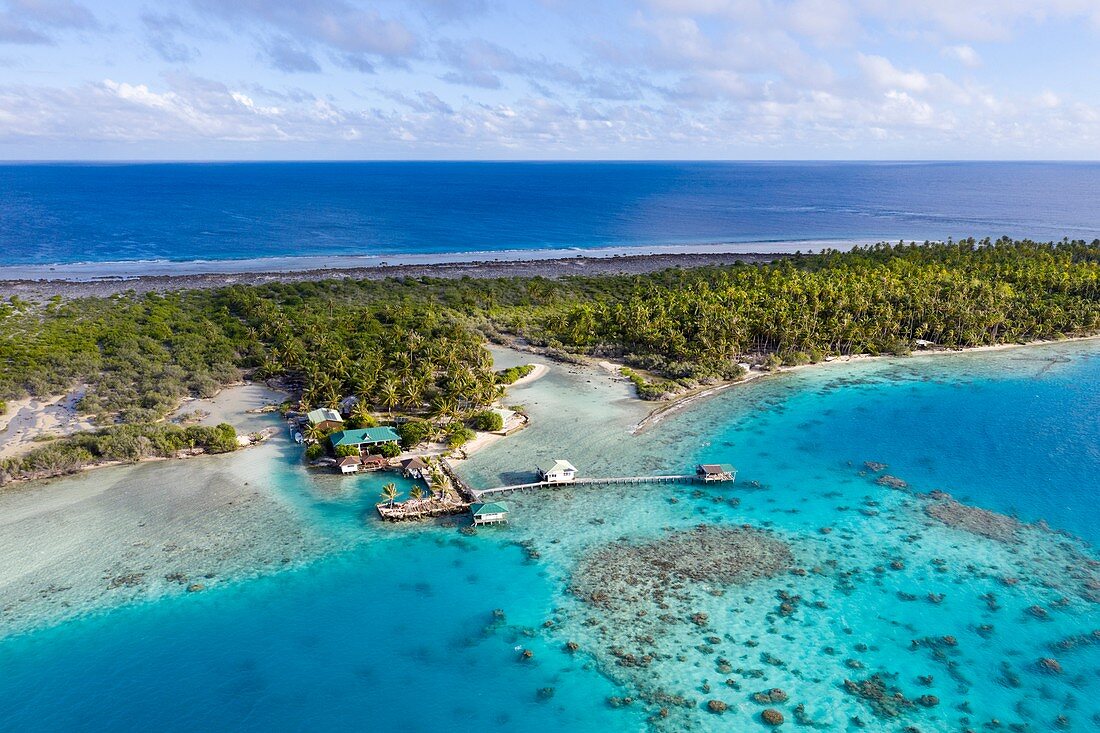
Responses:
[414,432]
[314,451]
[414,346]
[3,407]
[459,435]
[117,443]
[513,374]
[486,421]
[648,390]
[389,493]
[343,451]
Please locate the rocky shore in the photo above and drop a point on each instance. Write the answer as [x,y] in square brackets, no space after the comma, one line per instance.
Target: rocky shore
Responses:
[40,289]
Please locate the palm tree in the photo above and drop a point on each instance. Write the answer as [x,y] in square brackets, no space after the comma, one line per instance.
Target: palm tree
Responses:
[416,492]
[389,493]
[391,395]
[361,412]
[315,433]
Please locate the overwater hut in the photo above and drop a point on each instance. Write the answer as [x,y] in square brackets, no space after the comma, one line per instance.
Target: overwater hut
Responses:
[414,468]
[557,472]
[715,472]
[364,438]
[494,512]
[349,464]
[325,418]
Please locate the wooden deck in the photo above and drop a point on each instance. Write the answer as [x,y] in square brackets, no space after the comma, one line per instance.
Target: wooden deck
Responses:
[686,478]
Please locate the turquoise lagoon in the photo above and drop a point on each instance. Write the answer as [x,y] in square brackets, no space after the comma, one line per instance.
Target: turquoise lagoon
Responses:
[393,628]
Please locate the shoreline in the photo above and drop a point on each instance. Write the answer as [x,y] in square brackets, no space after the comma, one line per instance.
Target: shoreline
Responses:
[287,264]
[580,264]
[228,404]
[699,394]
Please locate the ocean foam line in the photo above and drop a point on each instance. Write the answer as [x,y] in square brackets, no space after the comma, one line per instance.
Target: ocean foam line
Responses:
[126,269]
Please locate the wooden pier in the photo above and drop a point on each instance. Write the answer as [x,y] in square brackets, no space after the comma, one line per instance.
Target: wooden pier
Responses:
[686,478]
[458,497]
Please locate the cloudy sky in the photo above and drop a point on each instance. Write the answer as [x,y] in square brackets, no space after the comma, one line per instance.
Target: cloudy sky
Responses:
[555,79]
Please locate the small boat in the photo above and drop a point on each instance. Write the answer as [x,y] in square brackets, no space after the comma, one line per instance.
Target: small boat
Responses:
[298,437]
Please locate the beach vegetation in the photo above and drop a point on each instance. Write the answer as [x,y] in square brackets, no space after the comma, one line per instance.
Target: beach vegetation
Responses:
[459,436]
[314,451]
[487,421]
[343,451]
[513,374]
[125,443]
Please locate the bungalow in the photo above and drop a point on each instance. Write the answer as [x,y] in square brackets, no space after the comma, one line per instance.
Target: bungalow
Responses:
[414,468]
[375,463]
[325,419]
[710,472]
[364,438]
[559,472]
[493,512]
[349,464]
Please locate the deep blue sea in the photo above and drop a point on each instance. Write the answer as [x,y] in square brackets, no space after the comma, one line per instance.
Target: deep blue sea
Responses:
[64,213]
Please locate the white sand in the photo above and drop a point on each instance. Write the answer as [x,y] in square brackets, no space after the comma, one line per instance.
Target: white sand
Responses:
[31,418]
[237,405]
[538,372]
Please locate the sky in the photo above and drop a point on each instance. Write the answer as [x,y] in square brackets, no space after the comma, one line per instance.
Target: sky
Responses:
[549,79]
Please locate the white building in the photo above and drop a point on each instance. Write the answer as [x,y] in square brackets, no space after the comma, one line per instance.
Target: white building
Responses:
[560,472]
[349,464]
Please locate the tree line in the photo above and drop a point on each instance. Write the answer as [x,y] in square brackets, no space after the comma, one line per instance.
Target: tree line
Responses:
[416,345]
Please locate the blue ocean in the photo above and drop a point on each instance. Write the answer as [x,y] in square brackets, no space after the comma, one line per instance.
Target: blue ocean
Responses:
[900,610]
[64,213]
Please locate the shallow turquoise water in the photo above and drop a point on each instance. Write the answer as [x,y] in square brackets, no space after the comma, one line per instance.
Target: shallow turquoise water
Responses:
[393,630]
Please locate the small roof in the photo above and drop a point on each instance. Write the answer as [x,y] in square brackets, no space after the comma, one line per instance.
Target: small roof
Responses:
[349,461]
[492,507]
[360,436]
[414,463]
[375,459]
[559,465]
[714,468]
[321,414]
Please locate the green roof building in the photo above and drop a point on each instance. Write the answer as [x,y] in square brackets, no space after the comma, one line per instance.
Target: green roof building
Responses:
[492,512]
[364,437]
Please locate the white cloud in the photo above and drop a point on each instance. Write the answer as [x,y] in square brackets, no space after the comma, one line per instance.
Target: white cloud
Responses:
[884,75]
[964,54]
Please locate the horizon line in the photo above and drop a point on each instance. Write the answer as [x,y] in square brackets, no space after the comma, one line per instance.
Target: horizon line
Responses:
[866,161]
